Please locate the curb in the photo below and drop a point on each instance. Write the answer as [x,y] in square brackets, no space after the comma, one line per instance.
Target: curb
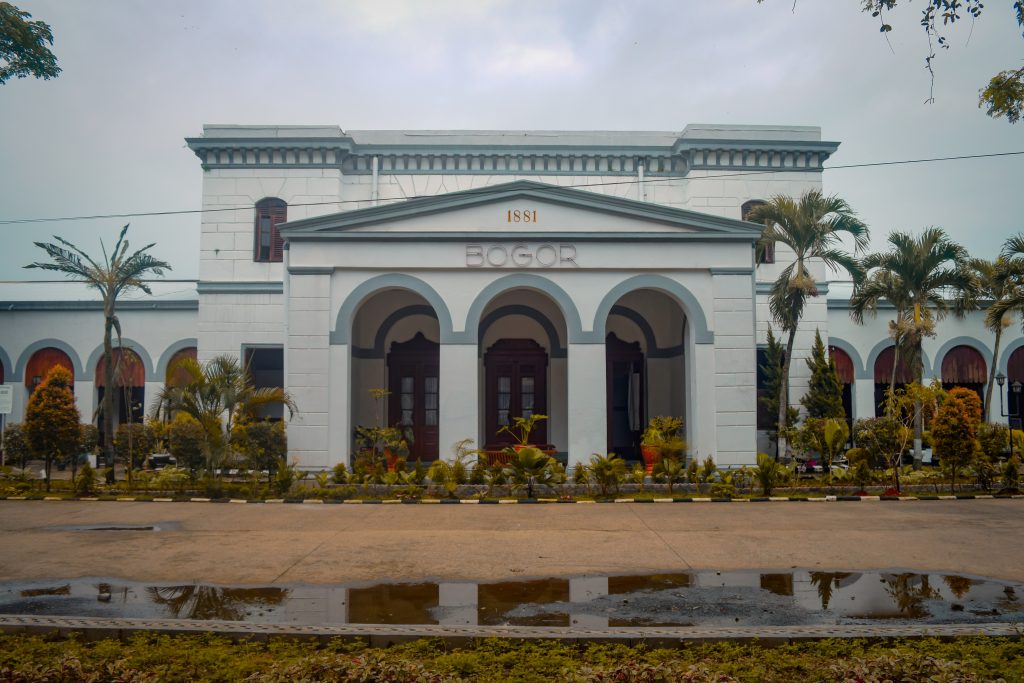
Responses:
[515,501]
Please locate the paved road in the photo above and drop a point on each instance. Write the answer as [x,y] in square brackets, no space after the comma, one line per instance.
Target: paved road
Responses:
[225,543]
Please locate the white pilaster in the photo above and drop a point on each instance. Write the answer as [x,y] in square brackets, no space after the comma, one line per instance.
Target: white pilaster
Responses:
[588,419]
[339,437]
[307,365]
[701,419]
[863,398]
[459,409]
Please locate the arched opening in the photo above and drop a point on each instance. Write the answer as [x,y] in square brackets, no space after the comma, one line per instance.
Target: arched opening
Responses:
[395,380]
[129,385]
[844,368]
[886,364]
[1014,373]
[268,245]
[522,343]
[644,365]
[41,362]
[176,376]
[964,366]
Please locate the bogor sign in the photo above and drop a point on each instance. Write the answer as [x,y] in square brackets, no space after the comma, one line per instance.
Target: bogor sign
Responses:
[521,256]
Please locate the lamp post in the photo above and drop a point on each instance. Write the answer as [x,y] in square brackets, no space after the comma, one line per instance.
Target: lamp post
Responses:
[1009,414]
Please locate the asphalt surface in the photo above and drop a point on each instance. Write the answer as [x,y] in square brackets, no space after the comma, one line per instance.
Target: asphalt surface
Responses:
[318,544]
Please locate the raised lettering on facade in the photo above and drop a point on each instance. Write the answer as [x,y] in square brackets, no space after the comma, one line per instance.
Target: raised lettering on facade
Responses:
[521,256]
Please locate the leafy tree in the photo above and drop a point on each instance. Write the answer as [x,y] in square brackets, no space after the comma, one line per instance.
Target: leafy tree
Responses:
[51,420]
[772,373]
[885,439]
[1004,93]
[133,443]
[263,444]
[23,46]
[824,397]
[16,448]
[218,394]
[116,274]
[927,276]
[186,441]
[813,227]
[955,430]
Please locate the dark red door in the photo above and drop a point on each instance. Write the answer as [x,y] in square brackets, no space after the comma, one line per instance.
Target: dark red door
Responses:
[415,392]
[516,386]
[625,392]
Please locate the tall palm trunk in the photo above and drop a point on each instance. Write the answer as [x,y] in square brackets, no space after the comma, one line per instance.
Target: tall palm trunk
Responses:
[780,449]
[918,413]
[108,381]
[895,364]
[992,372]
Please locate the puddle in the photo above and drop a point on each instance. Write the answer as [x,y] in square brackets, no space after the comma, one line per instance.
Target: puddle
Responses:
[746,598]
[162,526]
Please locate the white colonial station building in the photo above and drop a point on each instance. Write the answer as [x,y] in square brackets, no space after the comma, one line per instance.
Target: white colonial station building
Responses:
[599,278]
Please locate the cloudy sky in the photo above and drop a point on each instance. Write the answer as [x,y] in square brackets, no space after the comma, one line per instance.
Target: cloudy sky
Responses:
[107,136]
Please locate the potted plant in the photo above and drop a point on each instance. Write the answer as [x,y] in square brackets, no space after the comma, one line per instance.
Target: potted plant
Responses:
[520,429]
[663,436]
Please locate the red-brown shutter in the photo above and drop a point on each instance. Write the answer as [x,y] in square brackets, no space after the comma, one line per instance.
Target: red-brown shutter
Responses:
[844,365]
[278,215]
[42,361]
[964,365]
[883,368]
[128,369]
[1015,366]
[177,376]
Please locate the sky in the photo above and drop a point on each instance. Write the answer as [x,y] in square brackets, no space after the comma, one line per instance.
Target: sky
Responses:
[107,136]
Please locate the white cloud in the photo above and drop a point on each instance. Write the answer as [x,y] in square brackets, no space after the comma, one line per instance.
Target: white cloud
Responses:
[533,61]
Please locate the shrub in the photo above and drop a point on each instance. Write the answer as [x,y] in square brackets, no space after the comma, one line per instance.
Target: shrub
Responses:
[531,467]
[186,441]
[954,430]
[52,421]
[608,472]
[339,475]
[16,446]
[1011,474]
[133,443]
[263,444]
[86,481]
[770,473]
[671,471]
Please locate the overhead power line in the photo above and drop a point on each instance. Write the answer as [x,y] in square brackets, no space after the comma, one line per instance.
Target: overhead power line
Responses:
[633,181]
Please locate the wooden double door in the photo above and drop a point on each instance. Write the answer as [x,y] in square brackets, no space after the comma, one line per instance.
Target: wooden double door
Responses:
[625,377]
[414,401]
[516,372]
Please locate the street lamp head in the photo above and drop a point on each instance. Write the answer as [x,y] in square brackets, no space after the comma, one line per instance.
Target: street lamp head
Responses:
[1000,379]
[1017,386]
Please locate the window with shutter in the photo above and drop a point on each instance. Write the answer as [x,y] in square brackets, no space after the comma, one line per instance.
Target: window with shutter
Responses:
[268,243]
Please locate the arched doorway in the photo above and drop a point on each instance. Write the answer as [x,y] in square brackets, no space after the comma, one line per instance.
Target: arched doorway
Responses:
[41,362]
[886,364]
[844,368]
[129,385]
[522,343]
[395,379]
[645,366]
[964,366]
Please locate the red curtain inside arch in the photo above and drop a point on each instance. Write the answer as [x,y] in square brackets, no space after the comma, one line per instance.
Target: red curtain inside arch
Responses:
[42,361]
[177,376]
[1015,366]
[883,368]
[128,369]
[964,365]
[844,364]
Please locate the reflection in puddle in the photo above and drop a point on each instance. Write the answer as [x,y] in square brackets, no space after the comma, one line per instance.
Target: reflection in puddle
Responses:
[703,598]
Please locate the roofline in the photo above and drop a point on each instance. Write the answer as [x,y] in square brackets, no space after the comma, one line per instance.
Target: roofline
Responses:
[49,305]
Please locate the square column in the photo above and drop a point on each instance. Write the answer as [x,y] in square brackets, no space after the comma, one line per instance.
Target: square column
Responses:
[588,407]
[863,398]
[460,408]
[306,367]
[339,393]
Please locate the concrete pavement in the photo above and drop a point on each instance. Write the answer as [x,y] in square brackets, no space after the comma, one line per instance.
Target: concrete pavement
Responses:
[263,544]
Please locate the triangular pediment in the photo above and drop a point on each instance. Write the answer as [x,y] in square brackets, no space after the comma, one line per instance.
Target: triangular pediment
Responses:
[521,206]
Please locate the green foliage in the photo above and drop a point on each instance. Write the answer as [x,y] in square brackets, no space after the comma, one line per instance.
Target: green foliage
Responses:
[671,471]
[993,439]
[262,443]
[1004,95]
[17,450]
[23,46]
[1011,473]
[825,436]
[954,431]
[450,475]
[339,475]
[824,397]
[521,427]
[662,429]
[133,443]
[884,439]
[186,441]
[285,476]
[529,467]
[89,438]
[769,472]
[607,471]
[86,481]
[51,420]
[708,469]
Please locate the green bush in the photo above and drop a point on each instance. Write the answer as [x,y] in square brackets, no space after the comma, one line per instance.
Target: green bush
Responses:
[263,444]
[16,445]
[769,473]
[86,481]
[186,441]
[955,430]
[52,421]
[135,441]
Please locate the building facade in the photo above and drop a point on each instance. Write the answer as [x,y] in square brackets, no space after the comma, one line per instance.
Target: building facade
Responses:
[599,278]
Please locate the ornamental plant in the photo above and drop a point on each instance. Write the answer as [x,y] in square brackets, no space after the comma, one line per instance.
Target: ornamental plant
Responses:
[133,443]
[824,397]
[955,431]
[186,441]
[52,421]
[263,445]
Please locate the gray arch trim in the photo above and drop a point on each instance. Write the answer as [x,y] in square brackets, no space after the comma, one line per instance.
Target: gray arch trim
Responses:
[554,343]
[342,332]
[859,372]
[564,302]
[695,315]
[950,344]
[869,364]
[653,350]
[5,361]
[19,371]
[379,339]
[135,346]
[165,359]
[1004,355]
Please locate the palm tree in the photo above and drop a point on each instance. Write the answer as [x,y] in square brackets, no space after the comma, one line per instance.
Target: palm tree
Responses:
[218,394]
[117,273]
[926,278]
[1000,282]
[813,227]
